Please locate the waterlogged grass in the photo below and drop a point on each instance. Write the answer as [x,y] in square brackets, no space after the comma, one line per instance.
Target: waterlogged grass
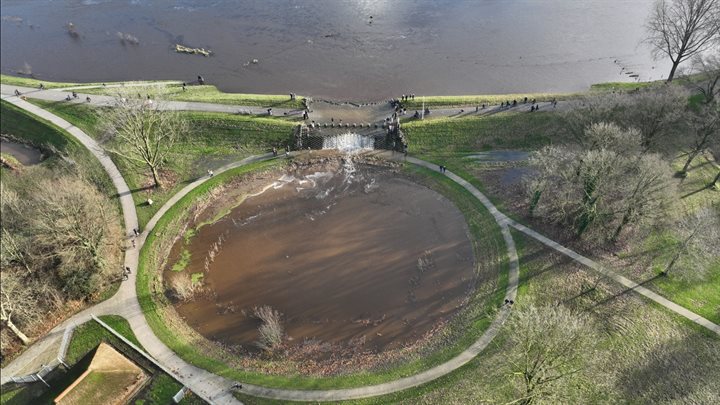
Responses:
[196,278]
[183,261]
[476,100]
[486,237]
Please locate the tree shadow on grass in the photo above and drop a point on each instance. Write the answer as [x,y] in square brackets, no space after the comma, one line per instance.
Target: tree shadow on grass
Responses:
[681,370]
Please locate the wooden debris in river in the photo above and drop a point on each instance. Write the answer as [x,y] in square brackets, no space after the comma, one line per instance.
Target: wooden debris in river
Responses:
[199,51]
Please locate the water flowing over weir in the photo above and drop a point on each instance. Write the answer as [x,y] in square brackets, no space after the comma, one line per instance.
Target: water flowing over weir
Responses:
[349,142]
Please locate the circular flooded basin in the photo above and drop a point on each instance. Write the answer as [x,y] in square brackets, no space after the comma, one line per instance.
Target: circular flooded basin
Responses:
[354,257]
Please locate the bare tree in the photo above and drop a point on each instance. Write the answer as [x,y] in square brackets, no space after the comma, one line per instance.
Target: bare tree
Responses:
[73,232]
[696,243]
[182,287]
[655,112]
[16,302]
[707,76]
[681,29]
[647,193]
[271,330]
[704,128]
[550,344]
[145,133]
[601,189]
[587,111]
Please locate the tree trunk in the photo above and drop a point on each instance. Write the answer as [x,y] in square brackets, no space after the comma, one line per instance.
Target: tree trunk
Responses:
[156,177]
[625,220]
[691,156]
[17,332]
[672,71]
[717,178]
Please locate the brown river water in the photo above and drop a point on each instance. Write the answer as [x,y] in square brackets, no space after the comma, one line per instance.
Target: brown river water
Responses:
[340,49]
[358,253]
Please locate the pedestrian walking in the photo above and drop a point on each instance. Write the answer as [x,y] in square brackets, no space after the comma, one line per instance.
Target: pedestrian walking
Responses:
[133,243]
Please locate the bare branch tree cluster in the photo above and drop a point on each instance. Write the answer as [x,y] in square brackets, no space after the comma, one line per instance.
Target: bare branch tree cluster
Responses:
[60,242]
[656,112]
[601,188]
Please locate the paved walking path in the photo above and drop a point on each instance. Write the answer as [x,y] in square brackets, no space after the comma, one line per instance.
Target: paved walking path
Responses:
[322,112]
[209,386]
[98,100]
[216,389]
[629,284]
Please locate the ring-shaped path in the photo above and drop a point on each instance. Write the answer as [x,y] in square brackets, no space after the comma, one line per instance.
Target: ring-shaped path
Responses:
[216,389]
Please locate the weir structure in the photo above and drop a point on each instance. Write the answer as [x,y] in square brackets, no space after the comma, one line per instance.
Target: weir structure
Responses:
[382,136]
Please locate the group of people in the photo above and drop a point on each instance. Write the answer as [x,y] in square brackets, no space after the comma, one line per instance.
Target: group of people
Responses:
[407,97]
[442,168]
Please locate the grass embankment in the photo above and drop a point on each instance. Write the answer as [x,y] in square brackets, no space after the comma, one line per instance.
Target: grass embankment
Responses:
[452,137]
[210,94]
[490,251]
[87,336]
[476,100]
[52,140]
[33,82]
[173,92]
[85,339]
[214,139]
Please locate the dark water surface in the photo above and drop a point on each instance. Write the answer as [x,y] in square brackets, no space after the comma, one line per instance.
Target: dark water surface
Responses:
[23,153]
[332,48]
[356,254]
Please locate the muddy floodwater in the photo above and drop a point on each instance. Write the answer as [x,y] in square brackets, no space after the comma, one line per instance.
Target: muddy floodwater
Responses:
[341,49]
[356,255]
[23,153]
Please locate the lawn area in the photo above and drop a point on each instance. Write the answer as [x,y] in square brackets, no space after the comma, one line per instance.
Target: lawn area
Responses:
[214,139]
[447,136]
[695,189]
[33,82]
[210,94]
[476,100]
[174,92]
[87,336]
[464,329]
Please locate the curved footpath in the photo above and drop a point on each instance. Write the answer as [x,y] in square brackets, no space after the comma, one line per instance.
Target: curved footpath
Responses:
[216,389]
[213,388]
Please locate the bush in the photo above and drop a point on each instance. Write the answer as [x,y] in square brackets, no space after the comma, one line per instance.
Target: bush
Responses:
[271,331]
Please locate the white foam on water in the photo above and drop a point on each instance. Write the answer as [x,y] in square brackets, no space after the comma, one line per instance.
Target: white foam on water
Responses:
[349,142]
